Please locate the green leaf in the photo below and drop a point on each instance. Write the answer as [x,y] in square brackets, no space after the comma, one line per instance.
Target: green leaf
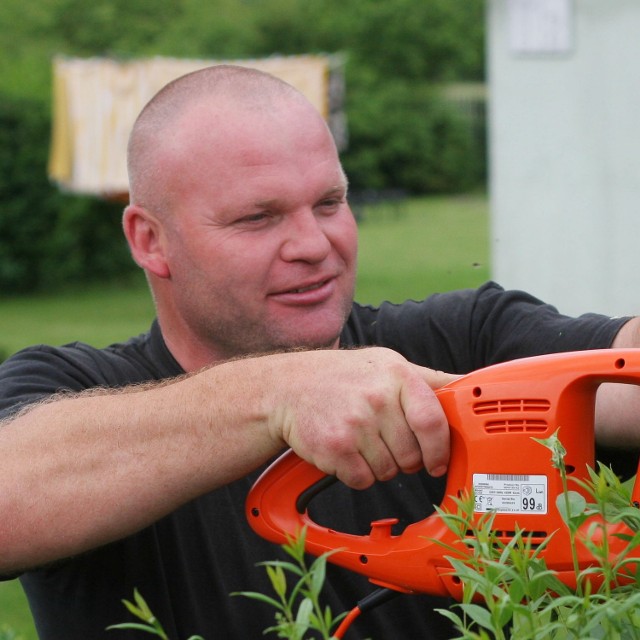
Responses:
[454,617]
[572,506]
[558,452]
[133,609]
[304,613]
[138,627]
[480,615]
[278,580]
[144,607]
[286,566]
[318,573]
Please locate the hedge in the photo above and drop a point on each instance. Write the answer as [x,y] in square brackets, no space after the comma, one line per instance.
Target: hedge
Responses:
[48,238]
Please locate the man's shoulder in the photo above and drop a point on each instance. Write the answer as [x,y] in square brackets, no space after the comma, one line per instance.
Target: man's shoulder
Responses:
[41,370]
[79,356]
[400,317]
[432,301]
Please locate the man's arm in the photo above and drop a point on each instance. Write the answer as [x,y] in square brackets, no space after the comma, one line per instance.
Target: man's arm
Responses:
[618,405]
[82,470]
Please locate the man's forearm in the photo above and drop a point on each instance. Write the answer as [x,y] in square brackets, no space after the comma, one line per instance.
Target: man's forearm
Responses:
[83,470]
[618,405]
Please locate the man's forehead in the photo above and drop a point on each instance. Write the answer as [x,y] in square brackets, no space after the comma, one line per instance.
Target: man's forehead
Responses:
[237,129]
[214,136]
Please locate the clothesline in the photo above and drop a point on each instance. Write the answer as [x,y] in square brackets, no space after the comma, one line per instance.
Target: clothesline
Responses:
[96,100]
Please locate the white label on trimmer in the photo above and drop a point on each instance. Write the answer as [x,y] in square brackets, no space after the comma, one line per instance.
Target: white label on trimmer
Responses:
[504,493]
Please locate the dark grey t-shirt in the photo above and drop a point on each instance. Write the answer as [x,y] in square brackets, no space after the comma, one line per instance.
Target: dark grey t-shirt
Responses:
[187,564]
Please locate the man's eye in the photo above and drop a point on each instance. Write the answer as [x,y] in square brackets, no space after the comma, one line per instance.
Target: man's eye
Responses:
[331,204]
[253,218]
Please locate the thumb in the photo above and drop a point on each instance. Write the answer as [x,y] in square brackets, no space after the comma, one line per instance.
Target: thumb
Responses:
[436,379]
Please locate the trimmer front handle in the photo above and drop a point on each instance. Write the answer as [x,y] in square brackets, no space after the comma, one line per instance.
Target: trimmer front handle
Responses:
[494,415]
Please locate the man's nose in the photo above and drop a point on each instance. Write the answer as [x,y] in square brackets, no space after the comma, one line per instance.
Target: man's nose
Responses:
[306,239]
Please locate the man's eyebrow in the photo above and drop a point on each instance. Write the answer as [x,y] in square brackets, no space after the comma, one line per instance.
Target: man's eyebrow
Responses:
[265,204]
[338,188]
[333,190]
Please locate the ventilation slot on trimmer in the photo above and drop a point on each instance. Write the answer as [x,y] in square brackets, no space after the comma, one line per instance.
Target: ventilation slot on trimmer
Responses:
[535,538]
[500,406]
[518,424]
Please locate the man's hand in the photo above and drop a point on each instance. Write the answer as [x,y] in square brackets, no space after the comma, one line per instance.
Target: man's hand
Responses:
[362,415]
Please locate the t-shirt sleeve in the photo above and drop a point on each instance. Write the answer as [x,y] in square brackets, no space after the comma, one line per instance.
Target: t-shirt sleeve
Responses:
[461,331]
[42,370]
[505,325]
[38,372]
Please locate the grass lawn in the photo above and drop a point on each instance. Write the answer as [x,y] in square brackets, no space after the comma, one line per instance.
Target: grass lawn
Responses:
[422,246]
[98,315]
[407,250]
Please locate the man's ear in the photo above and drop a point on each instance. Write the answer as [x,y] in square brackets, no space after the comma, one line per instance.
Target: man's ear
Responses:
[145,235]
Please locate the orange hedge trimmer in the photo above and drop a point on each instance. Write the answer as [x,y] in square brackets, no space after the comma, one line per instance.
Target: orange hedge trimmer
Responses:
[494,414]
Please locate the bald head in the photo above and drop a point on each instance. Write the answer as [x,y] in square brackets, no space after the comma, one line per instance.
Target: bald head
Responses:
[222,88]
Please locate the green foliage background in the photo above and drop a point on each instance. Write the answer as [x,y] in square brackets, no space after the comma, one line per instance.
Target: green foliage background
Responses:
[404,133]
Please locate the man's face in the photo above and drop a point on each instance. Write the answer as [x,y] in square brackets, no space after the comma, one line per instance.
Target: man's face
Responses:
[261,244]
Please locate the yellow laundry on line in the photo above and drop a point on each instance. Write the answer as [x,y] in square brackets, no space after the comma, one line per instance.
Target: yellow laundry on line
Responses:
[96,100]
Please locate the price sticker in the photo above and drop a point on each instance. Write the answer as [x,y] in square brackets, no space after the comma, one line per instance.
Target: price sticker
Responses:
[505,493]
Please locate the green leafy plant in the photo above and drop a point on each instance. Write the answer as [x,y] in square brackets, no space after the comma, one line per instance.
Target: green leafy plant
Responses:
[150,624]
[509,592]
[298,609]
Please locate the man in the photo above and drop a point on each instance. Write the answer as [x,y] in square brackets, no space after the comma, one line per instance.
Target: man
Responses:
[127,467]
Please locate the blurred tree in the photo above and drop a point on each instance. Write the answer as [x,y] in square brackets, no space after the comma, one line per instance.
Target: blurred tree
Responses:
[28,205]
[113,27]
[406,136]
[220,30]
[48,238]
[398,53]
[436,40]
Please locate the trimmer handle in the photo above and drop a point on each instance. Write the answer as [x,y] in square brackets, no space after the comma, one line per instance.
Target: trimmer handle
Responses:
[494,414]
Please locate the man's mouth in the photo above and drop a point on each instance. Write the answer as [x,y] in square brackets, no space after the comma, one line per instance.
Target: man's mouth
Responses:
[311,294]
[311,287]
